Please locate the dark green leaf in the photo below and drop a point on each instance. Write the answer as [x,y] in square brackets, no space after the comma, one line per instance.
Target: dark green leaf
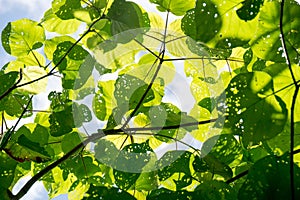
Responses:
[214,190]
[70,64]
[98,192]
[259,65]
[166,194]
[81,166]
[70,141]
[246,98]
[208,103]
[7,81]
[250,9]
[7,170]
[216,166]
[223,147]
[62,122]
[174,162]
[184,181]
[134,157]
[30,143]
[81,114]
[269,178]
[200,165]
[125,180]
[14,104]
[126,15]
[64,9]
[203,22]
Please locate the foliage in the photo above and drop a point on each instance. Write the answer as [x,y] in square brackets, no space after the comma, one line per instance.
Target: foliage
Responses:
[110,130]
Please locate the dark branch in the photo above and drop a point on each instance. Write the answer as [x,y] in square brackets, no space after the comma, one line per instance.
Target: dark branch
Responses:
[47,169]
[170,127]
[237,177]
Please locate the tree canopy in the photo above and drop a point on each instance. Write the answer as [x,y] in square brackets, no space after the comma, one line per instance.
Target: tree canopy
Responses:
[204,106]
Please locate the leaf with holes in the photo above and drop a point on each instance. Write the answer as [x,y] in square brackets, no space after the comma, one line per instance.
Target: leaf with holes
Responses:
[247,96]
[22,36]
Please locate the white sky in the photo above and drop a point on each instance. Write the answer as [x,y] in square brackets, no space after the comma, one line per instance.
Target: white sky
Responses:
[11,10]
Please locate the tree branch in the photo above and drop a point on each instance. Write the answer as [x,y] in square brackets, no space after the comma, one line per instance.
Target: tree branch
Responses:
[47,169]
[170,127]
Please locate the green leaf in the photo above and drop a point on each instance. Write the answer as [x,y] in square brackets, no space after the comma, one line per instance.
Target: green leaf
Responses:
[216,166]
[128,92]
[250,9]
[223,147]
[8,80]
[208,103]
[81,114]
[134,157]
[279,143]
[70,64]
[53,23]
[62,122]
[34,146]
[178,7]
[166,73]
[32,73]
[126,15]
[22,36]
[246,98]
[81,166]
[125,180]
[59,100]
[30,143]
[269,178]
[214,190]
[51,44]
[168,115]
[85,72]
[14,104]
[203,22]
[64,9]
[234,32]
[267,43]
[147,181]
[103,100]
[70,141]
[166,194]
[173,162]
[98,192]
[184,181]
[7,170]
[259,65]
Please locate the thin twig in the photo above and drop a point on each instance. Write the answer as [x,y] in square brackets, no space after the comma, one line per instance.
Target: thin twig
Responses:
[171,127]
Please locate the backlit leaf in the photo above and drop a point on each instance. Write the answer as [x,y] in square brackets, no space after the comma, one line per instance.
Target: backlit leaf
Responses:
[22,36]
[246,97]
[176,7]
